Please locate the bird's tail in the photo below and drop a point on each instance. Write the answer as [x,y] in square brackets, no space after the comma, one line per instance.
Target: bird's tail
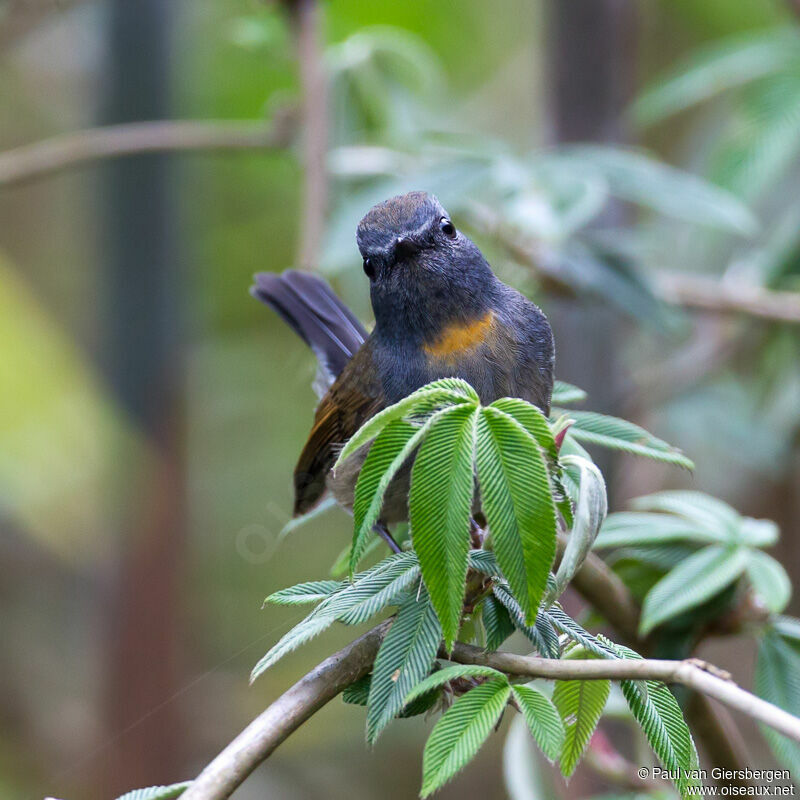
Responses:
[310,307]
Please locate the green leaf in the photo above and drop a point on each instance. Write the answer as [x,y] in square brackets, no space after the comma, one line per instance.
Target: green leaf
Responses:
[532,419]
[565,394]
[720,67]
[788,627]
[459,734]
[301,633]
[619,434]
[443,676]
[661,719]
[484,561]
[580,705]
[440,503]
[375,589]
[404,659]
[634,176]
[627,528]
[692,582]
[543,720]
[157,792]
[540,634]
[425,400]
[769,581]
[758,532]
[518,504]
[370,592]
[496,622]
[302,593]
[357,693]
[590,511]
[560,620]
[718,519]
[393,446]
[777,680]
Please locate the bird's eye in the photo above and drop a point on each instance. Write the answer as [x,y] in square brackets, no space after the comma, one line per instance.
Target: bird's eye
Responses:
[369,269]
[448,229]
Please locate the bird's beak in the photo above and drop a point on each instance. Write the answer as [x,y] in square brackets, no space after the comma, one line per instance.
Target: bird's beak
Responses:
[405,247]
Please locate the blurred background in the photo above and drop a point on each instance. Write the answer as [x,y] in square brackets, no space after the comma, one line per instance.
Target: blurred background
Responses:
[631,166]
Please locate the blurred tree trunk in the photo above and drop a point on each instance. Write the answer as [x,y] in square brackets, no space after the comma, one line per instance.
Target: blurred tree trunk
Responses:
[144,368]
[591,59]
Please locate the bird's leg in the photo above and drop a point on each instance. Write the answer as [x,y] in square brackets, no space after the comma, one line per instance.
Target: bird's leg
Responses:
[382,531]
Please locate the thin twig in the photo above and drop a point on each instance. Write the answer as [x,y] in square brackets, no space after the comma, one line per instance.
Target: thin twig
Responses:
[691,673]
[74,149]
[232,766]
[306,16]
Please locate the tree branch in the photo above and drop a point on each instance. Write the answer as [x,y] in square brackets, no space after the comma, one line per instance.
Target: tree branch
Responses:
[693,673]
[256,742]
[230,768]
[707,294]
[74,149]
[686,291]
[306,16]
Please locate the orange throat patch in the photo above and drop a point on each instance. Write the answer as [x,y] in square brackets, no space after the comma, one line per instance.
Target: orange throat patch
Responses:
[460,337]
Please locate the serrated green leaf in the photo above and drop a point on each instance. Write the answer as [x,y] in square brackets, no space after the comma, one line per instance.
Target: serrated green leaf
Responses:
[518,504]
[392,447]
[369,592]
[718,519]
[560,620]
[580,705]
[157,792]
[459,734]
[540,634]
[301,633]
[777,680]
[627,528]
[484,561]
[302,593]
[443,676]
[657,711]
[619,434]
[532,420]
[357,693]
[691,583]
[769,581]
[373,590]
[440,504]
[404,659]
[497,623]
[543,720]
[425,400]
[565,393]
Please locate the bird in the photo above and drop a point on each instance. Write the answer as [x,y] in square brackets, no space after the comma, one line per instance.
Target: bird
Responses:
[440,312]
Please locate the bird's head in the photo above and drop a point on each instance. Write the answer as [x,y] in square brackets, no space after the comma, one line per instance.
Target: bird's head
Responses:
[423,272]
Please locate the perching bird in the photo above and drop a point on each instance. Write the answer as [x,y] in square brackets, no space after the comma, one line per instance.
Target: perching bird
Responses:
[440,312]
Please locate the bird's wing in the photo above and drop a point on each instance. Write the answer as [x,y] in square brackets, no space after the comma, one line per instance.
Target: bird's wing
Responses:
[349,403]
